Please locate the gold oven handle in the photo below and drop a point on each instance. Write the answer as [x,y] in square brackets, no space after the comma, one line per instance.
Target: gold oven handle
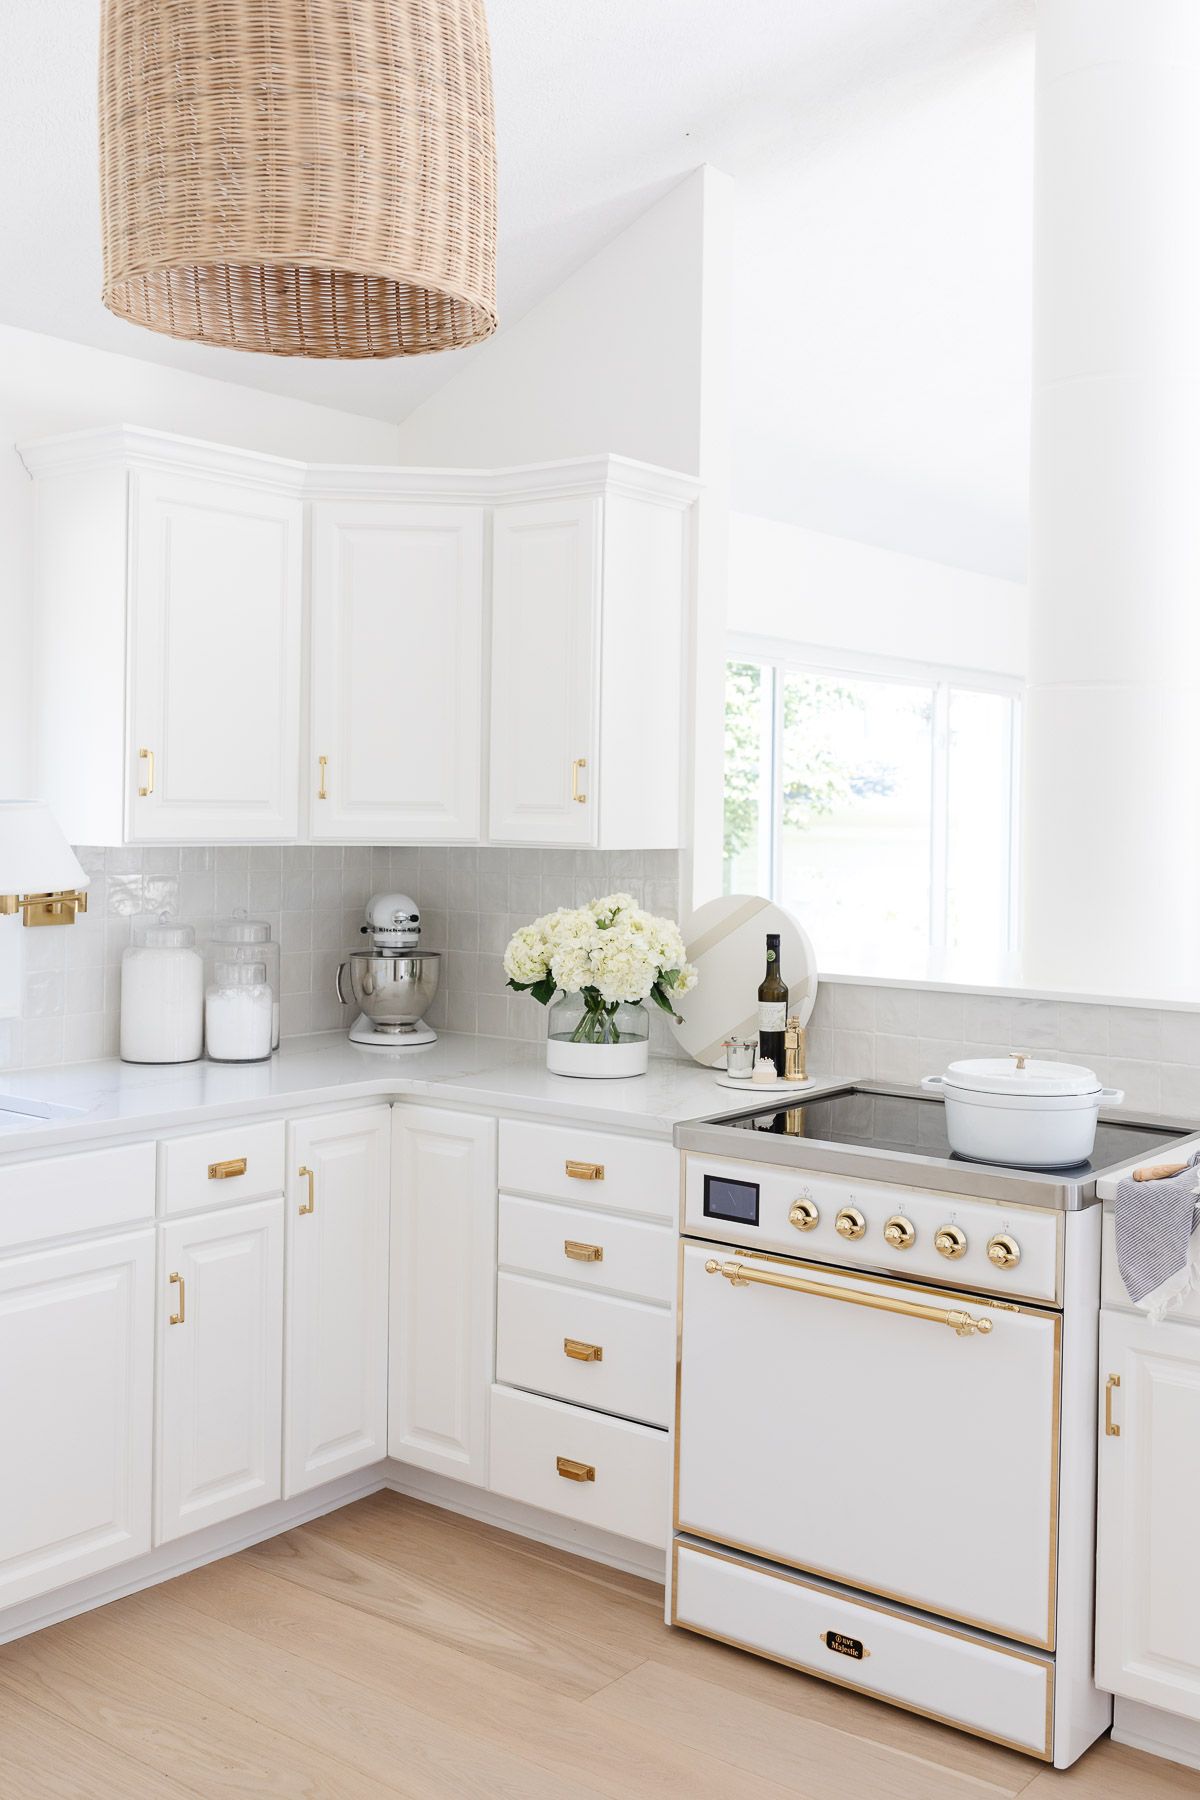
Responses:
[738,1275]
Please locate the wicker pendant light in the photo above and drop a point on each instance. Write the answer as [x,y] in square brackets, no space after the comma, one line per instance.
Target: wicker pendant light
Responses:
[302,177]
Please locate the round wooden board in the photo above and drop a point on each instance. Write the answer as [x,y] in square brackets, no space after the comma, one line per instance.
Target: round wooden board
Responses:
[726,939]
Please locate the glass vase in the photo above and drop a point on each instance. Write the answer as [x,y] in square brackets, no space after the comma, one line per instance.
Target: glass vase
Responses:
[597,1041]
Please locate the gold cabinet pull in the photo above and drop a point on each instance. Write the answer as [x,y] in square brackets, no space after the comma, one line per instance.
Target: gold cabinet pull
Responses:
[579,763]
[311,1202]
[580,1352]
[580,1171]
[583,1252]
[1110,1428]
[224,1171]
[738,1275]
[147,756]
[180,1317]
[323,789]
[570,1470]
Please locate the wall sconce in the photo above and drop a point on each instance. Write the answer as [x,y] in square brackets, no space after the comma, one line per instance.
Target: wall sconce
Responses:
[40,876]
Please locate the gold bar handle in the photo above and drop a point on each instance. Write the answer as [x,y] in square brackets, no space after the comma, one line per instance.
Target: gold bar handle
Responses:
[311,1203]
[1110,1429]
[574,1471]
[323,789]
[580,1352]
[583,1252]
[147,756]
[579,763]
[738,1275]
[224,1171]
[581,1171]
[180,1317]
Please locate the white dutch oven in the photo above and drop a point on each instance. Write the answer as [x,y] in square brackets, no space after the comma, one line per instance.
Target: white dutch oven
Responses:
[1031,1115]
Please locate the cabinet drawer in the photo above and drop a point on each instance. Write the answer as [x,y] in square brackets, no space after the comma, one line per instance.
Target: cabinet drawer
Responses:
[634,1372]
[542,1453]
[955,1676]
[216,1168]
[635,1175]
[60,1195]
[590,1249]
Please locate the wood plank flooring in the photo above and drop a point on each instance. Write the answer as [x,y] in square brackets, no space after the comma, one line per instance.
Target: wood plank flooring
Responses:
[392,1649]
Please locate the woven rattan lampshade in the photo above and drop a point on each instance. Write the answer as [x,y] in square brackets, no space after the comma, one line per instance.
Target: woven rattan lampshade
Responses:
[305,177]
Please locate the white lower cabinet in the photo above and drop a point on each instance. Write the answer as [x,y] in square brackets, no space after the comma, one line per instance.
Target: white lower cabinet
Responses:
[76,1351]
[443,1282]
[335,1384]
[1148,1575]
[604,1472]
[220,1366]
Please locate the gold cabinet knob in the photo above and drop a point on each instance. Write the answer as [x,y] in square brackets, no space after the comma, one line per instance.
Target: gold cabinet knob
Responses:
[850,1223]
[951,1241]
[803,1213]
[900,1232]
[1004,1251]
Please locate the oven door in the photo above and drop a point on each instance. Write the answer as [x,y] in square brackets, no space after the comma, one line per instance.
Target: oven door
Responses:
[858,1433]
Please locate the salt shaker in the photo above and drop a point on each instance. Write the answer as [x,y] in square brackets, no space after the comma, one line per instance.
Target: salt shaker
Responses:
[238,1010]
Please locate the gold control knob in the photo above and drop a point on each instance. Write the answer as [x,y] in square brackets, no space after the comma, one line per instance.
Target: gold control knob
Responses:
[951,1241]
[1004,1251]
[850,1223]
[803,1213]
[900,1232]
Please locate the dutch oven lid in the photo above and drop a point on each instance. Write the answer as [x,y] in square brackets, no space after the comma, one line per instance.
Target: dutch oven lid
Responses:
[1021,1074]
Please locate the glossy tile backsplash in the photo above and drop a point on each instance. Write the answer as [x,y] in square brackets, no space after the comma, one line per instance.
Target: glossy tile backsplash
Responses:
[471,901]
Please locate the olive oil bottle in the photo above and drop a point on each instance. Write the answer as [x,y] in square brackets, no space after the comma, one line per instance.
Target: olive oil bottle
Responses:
[772,1008]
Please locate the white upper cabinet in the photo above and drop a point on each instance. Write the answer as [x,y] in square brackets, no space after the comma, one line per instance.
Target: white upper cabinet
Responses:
[397,658]
[215,624]
[588,628]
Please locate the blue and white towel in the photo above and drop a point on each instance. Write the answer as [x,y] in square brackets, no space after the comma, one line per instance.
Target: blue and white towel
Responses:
[1156,1222]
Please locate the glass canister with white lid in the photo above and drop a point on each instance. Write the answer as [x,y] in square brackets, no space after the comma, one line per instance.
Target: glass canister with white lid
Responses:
[237,1011]
[162,993]
[243,939]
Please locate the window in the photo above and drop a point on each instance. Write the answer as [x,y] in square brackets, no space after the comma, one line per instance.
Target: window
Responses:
[878,803]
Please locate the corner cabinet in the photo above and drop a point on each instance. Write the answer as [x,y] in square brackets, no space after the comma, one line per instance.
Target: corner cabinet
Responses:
[183,695]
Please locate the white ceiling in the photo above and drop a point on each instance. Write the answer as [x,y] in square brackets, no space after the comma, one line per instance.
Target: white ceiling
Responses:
[881,150]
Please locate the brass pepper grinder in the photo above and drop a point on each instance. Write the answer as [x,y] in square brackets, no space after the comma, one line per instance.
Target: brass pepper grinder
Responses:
[794,1068]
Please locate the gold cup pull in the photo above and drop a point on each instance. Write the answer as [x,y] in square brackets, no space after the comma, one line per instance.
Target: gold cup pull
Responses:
[323,789]
[583,1252]
[580,1352]
[310,1204]
[224,1171]
[176,1279]
[581,1171]
[1110,1428]
[570,1470]
[147,756]
[579,763]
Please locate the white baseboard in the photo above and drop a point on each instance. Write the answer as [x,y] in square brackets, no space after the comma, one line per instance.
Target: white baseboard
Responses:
[1158,1733]
[217,1541]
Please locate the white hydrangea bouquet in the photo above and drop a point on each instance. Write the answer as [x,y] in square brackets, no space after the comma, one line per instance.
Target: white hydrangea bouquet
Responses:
[610,953]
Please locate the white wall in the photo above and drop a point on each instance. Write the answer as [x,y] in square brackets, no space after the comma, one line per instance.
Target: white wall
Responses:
[48,385]
[788,582]
[609,361]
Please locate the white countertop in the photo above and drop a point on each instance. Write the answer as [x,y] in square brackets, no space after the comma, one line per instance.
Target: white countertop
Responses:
[117,1099]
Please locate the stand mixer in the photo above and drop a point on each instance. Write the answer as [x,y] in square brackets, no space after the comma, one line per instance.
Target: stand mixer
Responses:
[394,982]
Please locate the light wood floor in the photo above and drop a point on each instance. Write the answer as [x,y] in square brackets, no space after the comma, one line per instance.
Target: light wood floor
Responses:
[394,1649]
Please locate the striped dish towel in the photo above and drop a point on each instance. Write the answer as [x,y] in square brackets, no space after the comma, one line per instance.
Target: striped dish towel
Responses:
[1155,1222]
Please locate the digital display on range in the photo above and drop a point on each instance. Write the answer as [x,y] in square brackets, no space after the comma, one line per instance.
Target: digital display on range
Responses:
[736,1201]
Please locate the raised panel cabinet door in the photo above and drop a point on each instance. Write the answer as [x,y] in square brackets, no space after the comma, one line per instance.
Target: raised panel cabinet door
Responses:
[214,645]
[76,1412]
[545,624]
[220,1366]
[397,661]
[1148,1572]
[443,1290]
[335,1375]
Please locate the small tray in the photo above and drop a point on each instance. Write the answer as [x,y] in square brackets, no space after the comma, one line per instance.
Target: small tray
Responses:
[746,1084]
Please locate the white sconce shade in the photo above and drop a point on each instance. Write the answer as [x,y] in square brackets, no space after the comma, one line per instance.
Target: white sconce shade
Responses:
[38,865]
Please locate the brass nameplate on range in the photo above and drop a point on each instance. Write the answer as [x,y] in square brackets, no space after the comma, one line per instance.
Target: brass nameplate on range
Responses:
[845,1646]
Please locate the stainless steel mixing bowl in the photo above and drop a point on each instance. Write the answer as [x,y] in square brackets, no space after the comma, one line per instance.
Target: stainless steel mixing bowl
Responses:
[394,991]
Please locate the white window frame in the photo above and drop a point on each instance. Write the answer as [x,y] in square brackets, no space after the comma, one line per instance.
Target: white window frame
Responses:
[782,656]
